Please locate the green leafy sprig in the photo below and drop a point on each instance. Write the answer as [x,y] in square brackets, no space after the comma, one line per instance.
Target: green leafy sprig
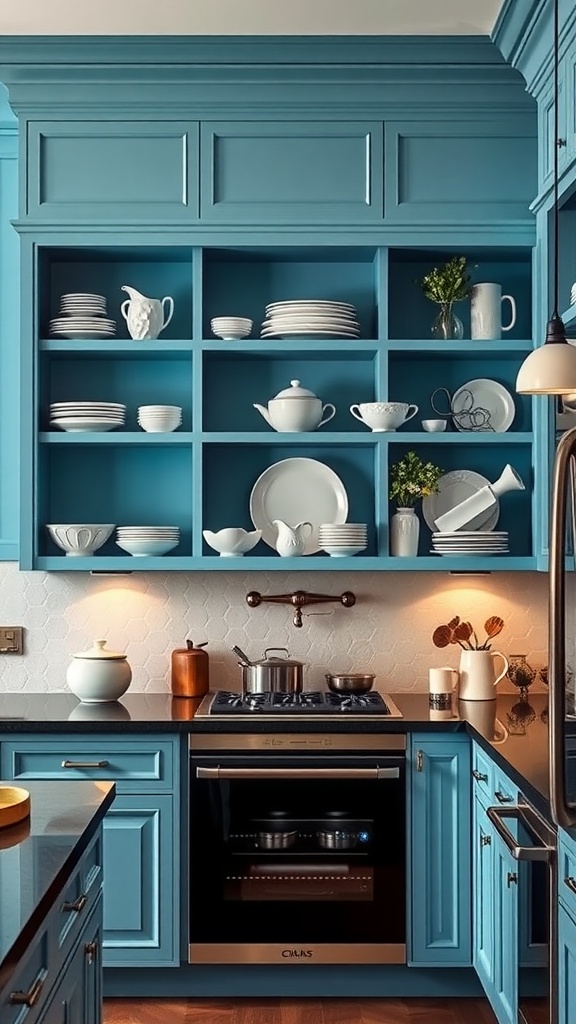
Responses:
[448,283]
[411,479]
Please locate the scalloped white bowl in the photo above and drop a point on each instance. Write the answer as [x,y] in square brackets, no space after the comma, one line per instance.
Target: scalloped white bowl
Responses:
[232,541]
[80,539]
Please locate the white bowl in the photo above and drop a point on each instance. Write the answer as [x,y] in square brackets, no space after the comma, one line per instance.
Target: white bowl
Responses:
[434,426]
[80,539]
[167,427]
[141,546]
[232,541]
[343,552]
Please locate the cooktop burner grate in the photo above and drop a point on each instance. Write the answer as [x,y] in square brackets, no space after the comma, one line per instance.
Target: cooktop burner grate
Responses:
[307,702]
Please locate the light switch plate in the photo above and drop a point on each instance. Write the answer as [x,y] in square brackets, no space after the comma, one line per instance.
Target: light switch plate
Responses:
[11,640]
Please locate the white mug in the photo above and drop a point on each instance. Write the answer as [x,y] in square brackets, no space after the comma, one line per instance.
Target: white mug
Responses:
[441,683]
[486,312]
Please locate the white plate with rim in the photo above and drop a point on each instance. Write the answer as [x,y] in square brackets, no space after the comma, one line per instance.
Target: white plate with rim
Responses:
[325,332]
[487,395]
[86,335]
[454,488]
[297,490]
[307,303]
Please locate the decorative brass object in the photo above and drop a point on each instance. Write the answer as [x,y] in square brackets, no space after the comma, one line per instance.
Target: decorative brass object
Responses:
[14,805]
[299,599]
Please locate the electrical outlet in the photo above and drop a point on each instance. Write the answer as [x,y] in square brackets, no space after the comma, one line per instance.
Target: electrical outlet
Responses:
[11,640]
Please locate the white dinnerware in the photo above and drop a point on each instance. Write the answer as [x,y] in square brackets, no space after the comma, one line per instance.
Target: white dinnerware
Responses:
[291,541]
[87,416]
[486,312]
[231,328]
[434,426]
[313,317]
[343,540]
[453,488]
[147,540]
[79,539]
[232,541]
[98,676]
[383,416]
[342,550]
[483,404]
[159,418]
[470,542]
[296,409]
[83,316]
[297,490]
[145,318]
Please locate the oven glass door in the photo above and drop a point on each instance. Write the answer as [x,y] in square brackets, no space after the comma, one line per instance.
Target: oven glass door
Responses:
[297,853]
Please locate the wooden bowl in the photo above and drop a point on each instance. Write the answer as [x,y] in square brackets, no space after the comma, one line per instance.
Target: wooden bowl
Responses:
[14,805]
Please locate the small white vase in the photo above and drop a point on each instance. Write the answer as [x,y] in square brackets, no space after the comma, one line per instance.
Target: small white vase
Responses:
[404,533]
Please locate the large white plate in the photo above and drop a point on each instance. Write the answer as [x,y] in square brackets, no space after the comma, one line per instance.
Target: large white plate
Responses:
[291,304]
[454,488]
[289,332]
[488,397]
[83,335]
[297,491]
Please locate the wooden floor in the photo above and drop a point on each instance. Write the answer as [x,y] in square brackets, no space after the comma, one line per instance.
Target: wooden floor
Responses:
[298,1011]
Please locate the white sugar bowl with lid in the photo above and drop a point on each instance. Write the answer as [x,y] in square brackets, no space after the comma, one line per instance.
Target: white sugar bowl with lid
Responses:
[296,409]
[98,675]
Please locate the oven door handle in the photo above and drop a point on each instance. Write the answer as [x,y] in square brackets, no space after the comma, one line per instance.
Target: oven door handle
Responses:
[496,814]
[297,773]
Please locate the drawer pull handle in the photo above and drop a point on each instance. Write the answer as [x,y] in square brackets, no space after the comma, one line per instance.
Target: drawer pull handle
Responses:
[502,798]
[512,878]
[479,776]
[91,951]
[29,998]
[485,840]
[571,883]
[78,905]
[85,764]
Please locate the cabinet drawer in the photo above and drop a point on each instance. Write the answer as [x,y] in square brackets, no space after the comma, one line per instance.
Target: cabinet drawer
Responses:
[483,774]
[567,871]
[77,900]
[34,979]
[504,791]
[141,764]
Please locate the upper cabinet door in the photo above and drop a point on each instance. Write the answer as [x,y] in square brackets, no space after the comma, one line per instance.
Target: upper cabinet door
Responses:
[102,170]
[442,171]
[291,172]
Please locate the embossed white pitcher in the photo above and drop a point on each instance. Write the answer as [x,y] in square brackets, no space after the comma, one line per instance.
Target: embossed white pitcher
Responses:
[146,318]
[478,677]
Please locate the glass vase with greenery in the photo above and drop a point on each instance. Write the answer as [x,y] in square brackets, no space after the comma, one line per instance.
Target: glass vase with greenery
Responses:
[446,285]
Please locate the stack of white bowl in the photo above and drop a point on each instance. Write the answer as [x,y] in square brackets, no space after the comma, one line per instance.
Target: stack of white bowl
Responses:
[343,539]
[159,419]
[147,540]
[231,328]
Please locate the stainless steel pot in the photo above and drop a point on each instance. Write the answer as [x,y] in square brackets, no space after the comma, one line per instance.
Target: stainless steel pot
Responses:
[352,682]
[337,839]
[276,840]
[272,674]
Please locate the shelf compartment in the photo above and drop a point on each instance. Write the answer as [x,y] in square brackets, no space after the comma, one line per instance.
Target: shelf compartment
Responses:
[134,383]
[406,385]
[411,314]
[231,470]
[242,281]
[127,485]
[232,385]
[488,460]
[155,271]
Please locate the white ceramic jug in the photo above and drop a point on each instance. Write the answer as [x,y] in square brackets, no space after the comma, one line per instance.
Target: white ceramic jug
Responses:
[478,677]
[292,540]
[146,318]
[486,312]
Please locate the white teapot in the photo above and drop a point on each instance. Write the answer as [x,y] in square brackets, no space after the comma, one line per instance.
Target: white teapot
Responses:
[296,409]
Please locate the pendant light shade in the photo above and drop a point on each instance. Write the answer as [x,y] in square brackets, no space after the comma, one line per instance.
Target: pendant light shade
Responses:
[551,369]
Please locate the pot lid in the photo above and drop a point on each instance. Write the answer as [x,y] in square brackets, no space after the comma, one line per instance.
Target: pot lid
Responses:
[295,391]
[275,662]
[97,651]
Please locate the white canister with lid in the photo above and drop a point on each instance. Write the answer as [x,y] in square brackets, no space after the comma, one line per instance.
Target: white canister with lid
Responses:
[296,409]
[98,675]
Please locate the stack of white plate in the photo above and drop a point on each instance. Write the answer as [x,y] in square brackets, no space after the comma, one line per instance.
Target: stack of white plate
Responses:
[84,416]
[471,542]
[82,315]
[147,540]
[310,318]
[343,539]
[231,328]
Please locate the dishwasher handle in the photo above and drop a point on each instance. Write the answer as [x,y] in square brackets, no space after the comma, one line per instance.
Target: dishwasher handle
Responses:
[375,774]
[543,852]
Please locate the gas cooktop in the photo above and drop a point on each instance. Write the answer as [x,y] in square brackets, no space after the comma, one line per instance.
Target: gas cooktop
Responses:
[315,703]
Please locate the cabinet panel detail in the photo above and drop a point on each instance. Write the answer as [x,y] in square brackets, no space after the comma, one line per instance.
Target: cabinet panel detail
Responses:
[95,170]
[290,171]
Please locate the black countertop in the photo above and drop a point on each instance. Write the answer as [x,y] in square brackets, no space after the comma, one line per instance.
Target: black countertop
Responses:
[38,855]
[515,732]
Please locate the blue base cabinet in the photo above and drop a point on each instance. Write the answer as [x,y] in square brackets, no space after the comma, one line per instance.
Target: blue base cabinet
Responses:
[566,967]
[439,839]
[141,833]
[78,994]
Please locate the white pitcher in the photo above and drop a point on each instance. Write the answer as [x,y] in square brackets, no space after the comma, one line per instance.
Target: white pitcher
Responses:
[478,677]
[292,540]
[486,312]
[146,318]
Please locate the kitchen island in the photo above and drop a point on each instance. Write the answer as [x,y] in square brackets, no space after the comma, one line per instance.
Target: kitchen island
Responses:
[51,903]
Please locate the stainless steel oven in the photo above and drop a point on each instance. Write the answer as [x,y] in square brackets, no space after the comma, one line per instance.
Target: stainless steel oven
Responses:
[297,848]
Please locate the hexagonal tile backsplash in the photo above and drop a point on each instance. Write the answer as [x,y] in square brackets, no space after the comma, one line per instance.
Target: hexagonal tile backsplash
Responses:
[147,615]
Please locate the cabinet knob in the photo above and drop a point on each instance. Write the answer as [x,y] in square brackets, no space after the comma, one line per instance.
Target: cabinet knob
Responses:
[485,840]
[29,998]
[512,878]
[77,905]
[560,143]
[419,760]
[91,951]
[479,776]
[571,883]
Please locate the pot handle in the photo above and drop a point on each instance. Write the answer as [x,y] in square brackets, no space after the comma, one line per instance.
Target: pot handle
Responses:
[498,654]
[285,649]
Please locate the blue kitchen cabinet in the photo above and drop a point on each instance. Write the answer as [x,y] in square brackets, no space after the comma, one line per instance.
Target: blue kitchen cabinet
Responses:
[504,995]
[566,966]
[439,841]
[141,833]
[78,994]
[483,905]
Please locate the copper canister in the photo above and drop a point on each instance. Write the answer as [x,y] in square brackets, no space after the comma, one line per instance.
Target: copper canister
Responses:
[190,671]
